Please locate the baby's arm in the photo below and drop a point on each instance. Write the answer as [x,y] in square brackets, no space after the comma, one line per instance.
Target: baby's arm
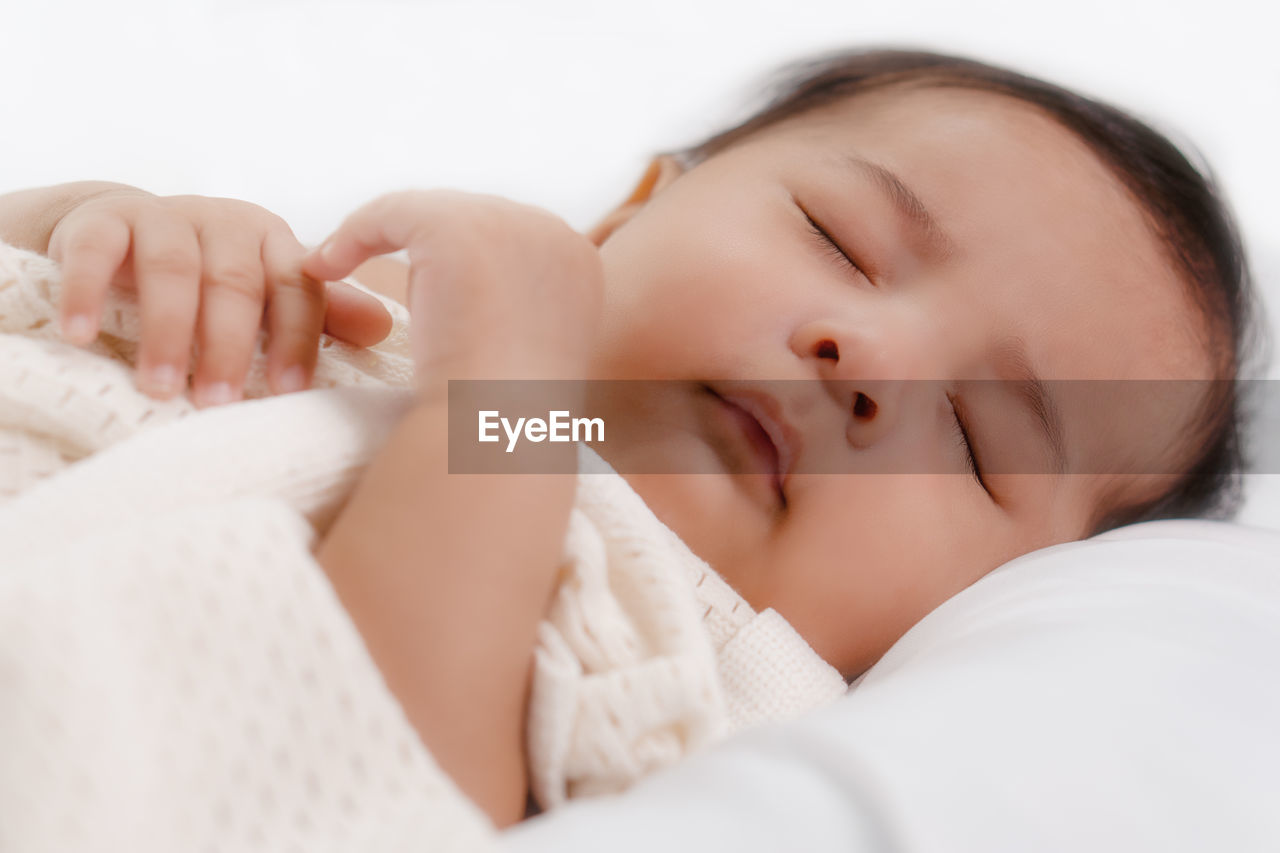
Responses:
[447,575]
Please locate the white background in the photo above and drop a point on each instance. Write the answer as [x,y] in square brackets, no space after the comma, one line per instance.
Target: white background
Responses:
[310,108]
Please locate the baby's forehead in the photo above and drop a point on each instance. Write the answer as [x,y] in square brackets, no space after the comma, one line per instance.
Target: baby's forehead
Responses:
[960,139]
[891,106]
[966,137]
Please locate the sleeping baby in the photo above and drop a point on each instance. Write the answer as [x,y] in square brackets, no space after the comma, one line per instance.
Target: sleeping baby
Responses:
[855,312]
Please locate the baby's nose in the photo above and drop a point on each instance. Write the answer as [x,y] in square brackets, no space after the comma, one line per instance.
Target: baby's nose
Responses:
[874,407]
[865,374]
[889,347]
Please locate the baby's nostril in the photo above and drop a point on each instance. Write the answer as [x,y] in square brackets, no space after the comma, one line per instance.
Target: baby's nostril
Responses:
[864,406]
[828,349]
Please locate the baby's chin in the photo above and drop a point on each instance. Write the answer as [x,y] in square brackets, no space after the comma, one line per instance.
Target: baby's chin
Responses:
[665,440]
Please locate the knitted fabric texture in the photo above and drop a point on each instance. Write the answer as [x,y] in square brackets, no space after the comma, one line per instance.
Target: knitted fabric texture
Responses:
[176,668]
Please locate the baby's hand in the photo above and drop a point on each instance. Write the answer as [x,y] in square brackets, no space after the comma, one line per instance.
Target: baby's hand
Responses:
[497,289]
[213,268]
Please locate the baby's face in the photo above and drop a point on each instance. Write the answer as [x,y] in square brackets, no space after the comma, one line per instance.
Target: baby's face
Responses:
[717,284]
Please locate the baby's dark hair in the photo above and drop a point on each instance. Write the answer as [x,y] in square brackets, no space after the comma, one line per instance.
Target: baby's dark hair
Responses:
[1182,204]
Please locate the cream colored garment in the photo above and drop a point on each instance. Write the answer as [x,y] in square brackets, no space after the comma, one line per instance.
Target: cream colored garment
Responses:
[176,667]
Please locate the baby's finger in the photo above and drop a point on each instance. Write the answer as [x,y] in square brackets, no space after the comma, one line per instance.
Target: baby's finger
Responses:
[166,267]
[90,252]
[295,314]
[386,224]
[232,295]
[354,316]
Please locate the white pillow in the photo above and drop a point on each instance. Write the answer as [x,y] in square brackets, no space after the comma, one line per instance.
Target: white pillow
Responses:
[1116,694]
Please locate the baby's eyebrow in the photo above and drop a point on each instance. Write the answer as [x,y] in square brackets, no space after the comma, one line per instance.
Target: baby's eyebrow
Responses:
[937,243]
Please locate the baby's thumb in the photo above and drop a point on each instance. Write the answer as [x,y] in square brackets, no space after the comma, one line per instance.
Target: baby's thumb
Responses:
[355,317]
[336,257]
[383,225]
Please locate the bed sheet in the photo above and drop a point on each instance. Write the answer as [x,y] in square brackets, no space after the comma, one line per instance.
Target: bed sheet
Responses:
[1113,695]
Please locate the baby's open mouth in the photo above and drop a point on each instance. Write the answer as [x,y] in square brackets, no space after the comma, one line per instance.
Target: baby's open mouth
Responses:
[764,434]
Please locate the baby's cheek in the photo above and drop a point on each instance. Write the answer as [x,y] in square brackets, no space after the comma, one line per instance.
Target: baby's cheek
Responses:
[682,302]
[662,335]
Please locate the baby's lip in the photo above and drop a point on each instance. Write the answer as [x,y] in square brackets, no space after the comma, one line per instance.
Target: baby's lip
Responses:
[767,412]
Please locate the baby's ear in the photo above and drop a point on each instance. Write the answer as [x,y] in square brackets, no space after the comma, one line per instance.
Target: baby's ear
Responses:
[662,170]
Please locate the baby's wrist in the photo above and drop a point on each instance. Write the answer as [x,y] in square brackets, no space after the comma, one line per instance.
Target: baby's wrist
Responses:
[433,376]
[504,356]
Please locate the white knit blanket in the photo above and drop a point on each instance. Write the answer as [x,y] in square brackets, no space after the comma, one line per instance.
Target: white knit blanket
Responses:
[176,672]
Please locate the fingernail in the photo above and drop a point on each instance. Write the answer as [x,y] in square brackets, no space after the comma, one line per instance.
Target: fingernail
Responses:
[78,329]
[163,379]
[292,380]
[218,394]
[327,250]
